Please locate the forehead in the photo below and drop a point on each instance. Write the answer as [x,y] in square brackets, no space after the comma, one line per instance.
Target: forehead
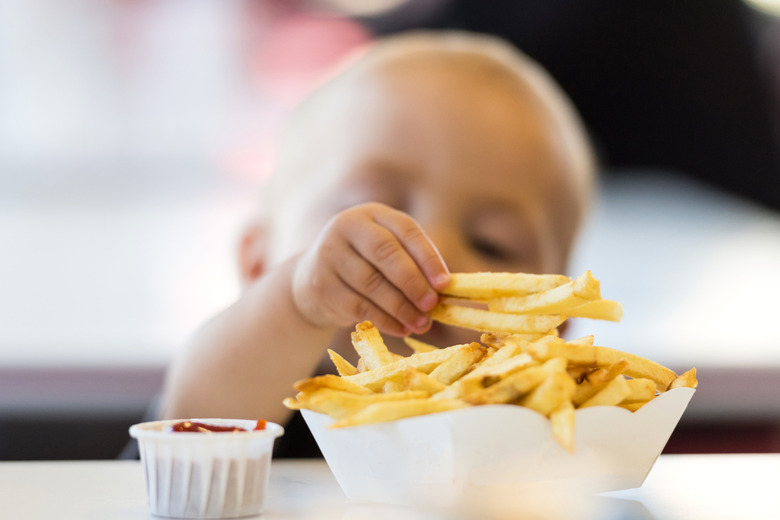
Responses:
[453,118]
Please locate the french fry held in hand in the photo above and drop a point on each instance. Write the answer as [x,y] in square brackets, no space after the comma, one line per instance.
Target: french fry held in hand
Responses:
[519,360]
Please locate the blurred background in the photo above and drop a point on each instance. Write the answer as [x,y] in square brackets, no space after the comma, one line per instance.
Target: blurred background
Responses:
[135,136]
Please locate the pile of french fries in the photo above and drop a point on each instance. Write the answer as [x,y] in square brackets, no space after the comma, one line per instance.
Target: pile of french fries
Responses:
[519,360]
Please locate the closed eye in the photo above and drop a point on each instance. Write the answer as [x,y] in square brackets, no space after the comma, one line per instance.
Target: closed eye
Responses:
[492,250]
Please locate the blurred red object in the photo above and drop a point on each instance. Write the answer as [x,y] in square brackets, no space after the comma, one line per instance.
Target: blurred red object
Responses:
[293,54]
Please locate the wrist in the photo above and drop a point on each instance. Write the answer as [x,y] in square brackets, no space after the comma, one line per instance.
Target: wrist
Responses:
[281,282]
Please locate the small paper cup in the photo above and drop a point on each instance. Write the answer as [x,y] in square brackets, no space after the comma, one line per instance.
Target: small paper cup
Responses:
[493,451]
[205,475]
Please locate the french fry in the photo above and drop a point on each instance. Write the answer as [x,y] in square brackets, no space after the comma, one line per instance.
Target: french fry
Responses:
[293,404]
[499,340]
[550,394]
[458,364]
[686,379]
[416,380]
[338,403]
[330,381]
[562,421]
[633,407]
[642,390]
[611,394]
[424,361]
[597,379]
[393,385]
[489,285]
[601,357]
[418,346]
[608,310]
[601,377]
[343,367]
[496,367]
[559,300]
[583,342]
[394,410]
[369,345]
[486,321]
[511,387]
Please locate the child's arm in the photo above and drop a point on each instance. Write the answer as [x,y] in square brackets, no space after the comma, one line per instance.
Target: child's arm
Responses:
[369,263]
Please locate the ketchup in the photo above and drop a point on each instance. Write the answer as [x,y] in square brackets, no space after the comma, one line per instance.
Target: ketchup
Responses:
[199,427]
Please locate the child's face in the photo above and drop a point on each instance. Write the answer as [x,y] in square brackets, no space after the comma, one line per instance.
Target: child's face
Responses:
[481,167]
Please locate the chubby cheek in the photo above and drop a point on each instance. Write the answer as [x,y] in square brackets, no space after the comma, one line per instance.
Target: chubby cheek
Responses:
[555,249]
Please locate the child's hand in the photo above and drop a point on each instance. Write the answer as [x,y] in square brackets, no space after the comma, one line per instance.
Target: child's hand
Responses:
[371,262]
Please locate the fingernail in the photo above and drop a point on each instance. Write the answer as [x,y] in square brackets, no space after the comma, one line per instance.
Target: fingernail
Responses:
[428,301]
[441,280]
[422,321]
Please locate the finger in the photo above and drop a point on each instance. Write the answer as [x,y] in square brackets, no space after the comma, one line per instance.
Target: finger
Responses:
[381,248]
[417,244]
[364,279]
[353,307]
[326,299]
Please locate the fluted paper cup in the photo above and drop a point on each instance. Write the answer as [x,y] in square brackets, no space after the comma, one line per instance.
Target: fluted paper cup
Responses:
[205,475]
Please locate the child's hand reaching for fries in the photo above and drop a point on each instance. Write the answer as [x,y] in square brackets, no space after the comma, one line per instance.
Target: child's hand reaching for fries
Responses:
[370,262]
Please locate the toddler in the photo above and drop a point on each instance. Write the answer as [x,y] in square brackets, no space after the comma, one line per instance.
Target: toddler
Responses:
[435,152]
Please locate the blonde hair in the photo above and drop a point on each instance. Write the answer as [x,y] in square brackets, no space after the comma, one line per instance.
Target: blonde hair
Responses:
[492,55]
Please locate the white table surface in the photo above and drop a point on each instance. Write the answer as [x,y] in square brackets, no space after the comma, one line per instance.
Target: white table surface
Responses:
[679,487]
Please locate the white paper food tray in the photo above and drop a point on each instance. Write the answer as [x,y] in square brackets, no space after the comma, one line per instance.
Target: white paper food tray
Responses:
[446,458]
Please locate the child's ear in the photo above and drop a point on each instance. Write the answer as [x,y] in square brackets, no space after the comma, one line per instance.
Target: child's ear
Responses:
[252,252]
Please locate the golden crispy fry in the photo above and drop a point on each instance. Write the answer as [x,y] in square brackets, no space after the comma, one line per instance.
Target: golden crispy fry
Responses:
[338,404]
[550,394]
[495,367]
[418,346]
[578,372]
[602,357]
[686,379]
[583,391]
[369,344]
[490,285]
[642,390]
[343,367]
[597,379]
[601,377]
[361,366]
[416,380]
[394,410]
[393,385]
[458,364]
[562,421]
[293,404]
[486,321]
[583,342]
[501,339]
[508,351]
[494,390]
[501,366]
[612,394]
[424,361]
[608,310]
[330,381]
[633,407]
[559,300]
